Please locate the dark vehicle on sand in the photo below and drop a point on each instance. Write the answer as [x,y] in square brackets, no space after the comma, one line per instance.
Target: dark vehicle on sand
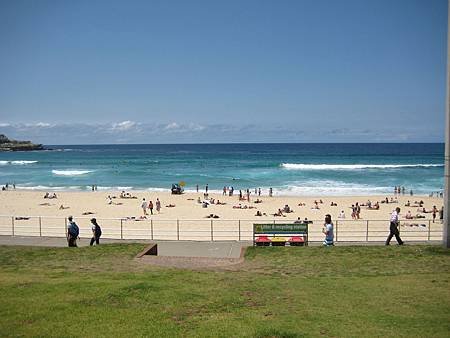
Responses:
[177,189]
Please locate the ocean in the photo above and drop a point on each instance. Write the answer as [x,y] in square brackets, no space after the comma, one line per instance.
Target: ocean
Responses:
[290,169]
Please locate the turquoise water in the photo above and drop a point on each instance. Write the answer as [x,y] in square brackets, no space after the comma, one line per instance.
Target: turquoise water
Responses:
[290,169]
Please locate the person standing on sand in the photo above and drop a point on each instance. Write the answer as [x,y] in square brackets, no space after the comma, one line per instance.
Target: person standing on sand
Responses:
[270,192]
[435,210]
[96,232]
[206,188]
[73,231]
[196,187]
[158,205]
[144,206]
[328,231]
[393,228]
[150,206]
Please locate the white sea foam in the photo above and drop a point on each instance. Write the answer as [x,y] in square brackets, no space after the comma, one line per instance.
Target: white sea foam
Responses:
[328,188]
[21,162]
[104,188]
[301,166]
[46,188]
[71,172]
[156,189]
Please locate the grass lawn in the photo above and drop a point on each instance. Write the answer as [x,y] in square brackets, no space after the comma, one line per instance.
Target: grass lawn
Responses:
[277,292]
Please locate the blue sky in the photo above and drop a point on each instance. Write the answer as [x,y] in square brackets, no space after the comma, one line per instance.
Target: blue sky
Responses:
[223,71]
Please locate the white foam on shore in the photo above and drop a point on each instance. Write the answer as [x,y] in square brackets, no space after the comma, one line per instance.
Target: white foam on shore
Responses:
[311,188]
[47,188]
[156,189]
[301,166]
[71,172]
[103,188]
[329,188]
[18,162]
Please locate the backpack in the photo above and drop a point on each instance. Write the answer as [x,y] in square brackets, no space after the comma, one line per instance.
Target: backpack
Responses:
[98,230]
[74,231]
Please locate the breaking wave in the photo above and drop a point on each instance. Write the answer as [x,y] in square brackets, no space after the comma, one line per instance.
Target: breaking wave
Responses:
[71,172]
[301,166]
[17,162]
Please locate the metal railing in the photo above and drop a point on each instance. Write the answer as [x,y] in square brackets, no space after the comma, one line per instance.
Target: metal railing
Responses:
[213,229]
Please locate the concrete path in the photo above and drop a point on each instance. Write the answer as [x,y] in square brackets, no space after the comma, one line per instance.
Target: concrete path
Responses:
[228,249]
[216,249]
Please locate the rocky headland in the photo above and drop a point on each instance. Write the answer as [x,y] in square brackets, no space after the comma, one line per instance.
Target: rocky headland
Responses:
[7,144]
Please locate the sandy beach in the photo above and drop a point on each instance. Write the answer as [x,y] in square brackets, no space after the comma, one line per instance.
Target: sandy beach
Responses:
[193,217]
[32,203]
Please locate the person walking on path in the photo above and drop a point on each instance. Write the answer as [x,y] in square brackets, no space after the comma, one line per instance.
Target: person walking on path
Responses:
[158,205]
[328,231]
[73,231]
[393,228]
[96,232]
[150,206]
[144,206]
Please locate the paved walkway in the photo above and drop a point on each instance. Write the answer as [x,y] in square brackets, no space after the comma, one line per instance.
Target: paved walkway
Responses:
[216,249]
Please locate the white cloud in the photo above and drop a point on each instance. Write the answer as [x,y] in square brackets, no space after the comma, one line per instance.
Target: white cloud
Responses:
[34,125]
[4,124]
[124,125]
[183,128]
[195,127]
[42,124]
[172,126]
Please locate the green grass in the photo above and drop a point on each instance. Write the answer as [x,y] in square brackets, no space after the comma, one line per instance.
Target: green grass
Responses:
[278,292]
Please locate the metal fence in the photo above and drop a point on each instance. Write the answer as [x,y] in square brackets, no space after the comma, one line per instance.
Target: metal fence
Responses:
[213,229]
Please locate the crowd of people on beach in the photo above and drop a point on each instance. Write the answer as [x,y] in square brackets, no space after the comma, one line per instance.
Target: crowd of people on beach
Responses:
[251,199]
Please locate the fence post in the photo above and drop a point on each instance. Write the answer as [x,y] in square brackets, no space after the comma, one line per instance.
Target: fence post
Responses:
[12,225]
[336,230]
[429,230]
[40,226]
[367,230]
[239,230]
[178,229]
[151,228]
[121,228]
[212,231]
